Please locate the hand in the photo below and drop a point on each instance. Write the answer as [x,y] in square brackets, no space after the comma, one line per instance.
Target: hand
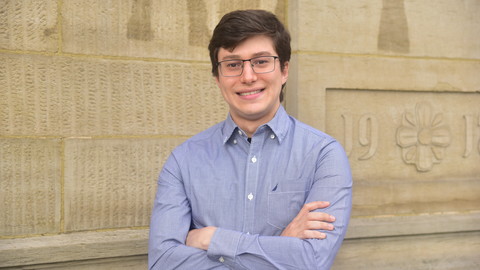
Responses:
[200,238]
[306,223]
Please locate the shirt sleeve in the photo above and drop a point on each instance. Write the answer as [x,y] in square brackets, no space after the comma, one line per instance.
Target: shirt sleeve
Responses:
[333,183]
[169,226]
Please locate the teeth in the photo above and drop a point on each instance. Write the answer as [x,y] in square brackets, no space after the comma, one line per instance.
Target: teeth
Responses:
[250,93]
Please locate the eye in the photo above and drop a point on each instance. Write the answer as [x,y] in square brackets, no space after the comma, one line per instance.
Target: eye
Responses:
[261,61]
[233,64]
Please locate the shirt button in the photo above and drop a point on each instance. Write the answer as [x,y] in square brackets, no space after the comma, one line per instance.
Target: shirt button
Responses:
[240,132]
[234,141]
[221,259]
[250,196]
[272,136]
[254,159]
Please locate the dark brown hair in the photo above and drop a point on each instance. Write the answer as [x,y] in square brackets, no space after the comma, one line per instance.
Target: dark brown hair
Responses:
[237,26]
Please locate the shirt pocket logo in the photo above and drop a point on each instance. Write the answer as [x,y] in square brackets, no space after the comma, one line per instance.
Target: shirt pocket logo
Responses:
[285,201]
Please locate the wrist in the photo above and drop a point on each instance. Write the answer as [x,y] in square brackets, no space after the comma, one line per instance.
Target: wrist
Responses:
[207,234]
[200,238]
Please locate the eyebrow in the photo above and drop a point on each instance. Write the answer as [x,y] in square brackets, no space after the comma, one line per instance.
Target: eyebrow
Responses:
[236,56]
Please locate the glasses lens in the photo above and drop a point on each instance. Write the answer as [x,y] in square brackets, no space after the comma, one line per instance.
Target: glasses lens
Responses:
[231,67]
[263,64]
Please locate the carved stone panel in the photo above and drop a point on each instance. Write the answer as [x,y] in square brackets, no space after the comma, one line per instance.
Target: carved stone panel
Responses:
[410,151]
[424,135]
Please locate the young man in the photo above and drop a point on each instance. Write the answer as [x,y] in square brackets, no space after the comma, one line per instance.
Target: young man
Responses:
[259,190]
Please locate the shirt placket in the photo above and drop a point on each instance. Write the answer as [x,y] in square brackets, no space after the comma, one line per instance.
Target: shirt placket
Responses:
[251,182]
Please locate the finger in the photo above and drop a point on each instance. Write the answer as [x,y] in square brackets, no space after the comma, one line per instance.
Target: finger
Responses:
[318,225]
[312,234]
[320,216]
[315,205]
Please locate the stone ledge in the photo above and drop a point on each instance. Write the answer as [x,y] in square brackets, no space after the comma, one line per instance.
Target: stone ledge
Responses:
[138,262]
[72,247]
[445,251]
[84,246]
[425,223]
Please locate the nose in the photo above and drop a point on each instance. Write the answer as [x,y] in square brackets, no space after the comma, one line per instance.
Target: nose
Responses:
[248,75]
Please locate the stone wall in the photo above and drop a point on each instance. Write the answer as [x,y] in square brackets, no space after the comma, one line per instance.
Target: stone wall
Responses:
[95,94]
[397,82]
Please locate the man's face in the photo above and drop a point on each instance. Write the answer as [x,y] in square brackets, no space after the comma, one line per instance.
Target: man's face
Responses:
[252,97]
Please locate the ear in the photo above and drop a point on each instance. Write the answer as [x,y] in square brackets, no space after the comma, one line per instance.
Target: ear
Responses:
[285,73]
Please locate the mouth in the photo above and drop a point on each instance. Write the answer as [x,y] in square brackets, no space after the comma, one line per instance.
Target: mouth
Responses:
[252,92]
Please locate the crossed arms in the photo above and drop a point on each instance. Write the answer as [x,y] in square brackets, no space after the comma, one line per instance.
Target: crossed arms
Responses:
[305,225]
[310,241]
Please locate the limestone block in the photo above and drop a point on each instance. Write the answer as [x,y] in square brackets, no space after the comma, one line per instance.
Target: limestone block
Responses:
[70,96]
[29,186]
[314,74]
[407,136]
[139,262]
[410,152]
[416,28]
[111,183]
[394,224]
[29,25]
[86,250]
[365,102]
[148,28]
[437,251]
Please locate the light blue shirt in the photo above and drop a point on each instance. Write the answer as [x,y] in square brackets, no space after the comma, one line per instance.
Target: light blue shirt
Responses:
[251,192]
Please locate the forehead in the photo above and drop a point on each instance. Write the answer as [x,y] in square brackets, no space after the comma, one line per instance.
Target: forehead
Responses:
[251,47]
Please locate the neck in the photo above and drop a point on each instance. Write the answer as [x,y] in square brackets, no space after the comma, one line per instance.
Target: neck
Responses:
[251,124]
[249,127]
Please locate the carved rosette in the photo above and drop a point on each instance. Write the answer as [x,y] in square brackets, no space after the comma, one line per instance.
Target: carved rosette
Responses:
[423,137]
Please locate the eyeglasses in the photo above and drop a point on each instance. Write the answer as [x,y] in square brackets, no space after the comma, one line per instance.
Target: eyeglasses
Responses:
[234,67]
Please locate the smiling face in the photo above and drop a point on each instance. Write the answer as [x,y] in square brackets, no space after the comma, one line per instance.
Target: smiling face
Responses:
[253,98]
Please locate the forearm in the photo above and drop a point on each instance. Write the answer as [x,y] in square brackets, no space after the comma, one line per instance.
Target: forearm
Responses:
[244,251]
[238,249]
[177,256]
[167,248]
[227,247]
[169,227]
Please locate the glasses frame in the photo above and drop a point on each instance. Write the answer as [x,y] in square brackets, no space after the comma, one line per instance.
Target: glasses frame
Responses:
[243,65]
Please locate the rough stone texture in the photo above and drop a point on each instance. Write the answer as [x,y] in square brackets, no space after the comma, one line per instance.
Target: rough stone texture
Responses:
[397,83]
[445,251]
[397,224]
[456,251]
[29,25]
[94,94]
[119,263]
[111,183]
[148,28]
[315,73]
[421,129]
[415,28]
[91,247]
[383,197]
[71,97]
[408,149]
[29,186]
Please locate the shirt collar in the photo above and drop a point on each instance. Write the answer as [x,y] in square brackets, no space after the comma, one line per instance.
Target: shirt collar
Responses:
[279,125]
[228,128]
